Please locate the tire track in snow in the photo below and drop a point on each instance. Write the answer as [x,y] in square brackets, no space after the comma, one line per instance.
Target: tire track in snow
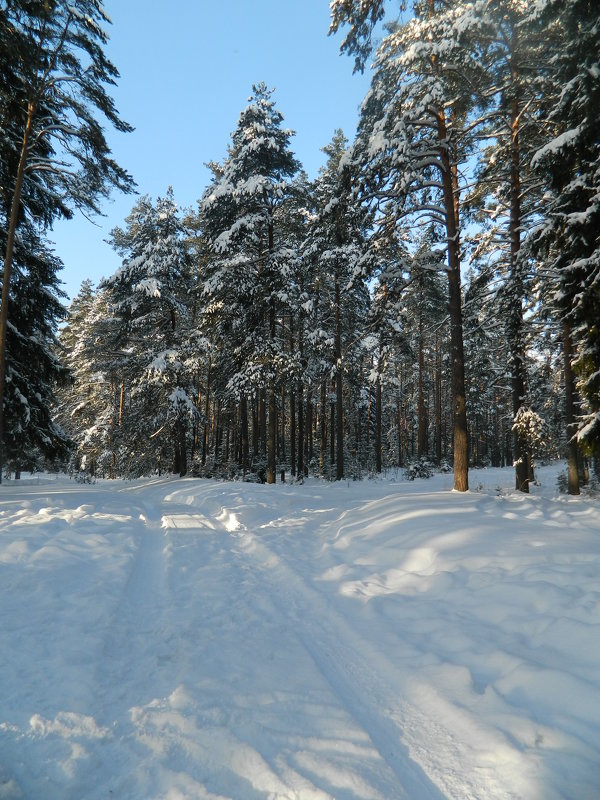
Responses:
[377,696]
[362,692]
[141,602]
[124,663]
[164,732]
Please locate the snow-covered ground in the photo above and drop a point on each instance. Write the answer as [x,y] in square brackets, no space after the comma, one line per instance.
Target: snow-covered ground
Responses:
[190,639]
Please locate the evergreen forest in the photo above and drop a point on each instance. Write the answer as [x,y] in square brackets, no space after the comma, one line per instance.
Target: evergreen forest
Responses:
[430,300]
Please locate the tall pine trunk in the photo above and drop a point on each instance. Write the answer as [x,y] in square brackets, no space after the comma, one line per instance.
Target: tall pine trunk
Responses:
[323,427]
[339,402]
[300,395]
[379,410]
[451,209]
[573,470]
[421,413]
[8,262]
[206,413]
[244,433]
[272,435]
[438,400]
[515,336]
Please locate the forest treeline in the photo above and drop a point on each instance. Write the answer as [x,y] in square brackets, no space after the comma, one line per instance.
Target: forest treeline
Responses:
[430,298]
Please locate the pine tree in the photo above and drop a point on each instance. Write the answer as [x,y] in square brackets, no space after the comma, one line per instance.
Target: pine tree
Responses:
[85,407]
[56,155]
[413,141]
[511,46]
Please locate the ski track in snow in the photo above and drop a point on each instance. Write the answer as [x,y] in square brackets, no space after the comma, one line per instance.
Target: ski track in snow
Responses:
[181,639]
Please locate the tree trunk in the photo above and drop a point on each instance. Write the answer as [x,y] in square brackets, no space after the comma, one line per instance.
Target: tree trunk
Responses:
[323,427]
[244,433]
[180,449]
[451,208]
[399,425]
[438,400]
[292,430]
[421,416]
[272,436]
[339,401]
[262,421]
[573,480]
[520,446]
[255,426]
[292,408]
[301,402]
[379,411]
[8,261]
[282,424]
[331,434]
[308,429]
[300,431]
[121,401]
[206,414]
[378,426]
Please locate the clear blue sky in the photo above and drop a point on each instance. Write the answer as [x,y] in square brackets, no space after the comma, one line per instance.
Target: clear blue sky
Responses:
[187,69]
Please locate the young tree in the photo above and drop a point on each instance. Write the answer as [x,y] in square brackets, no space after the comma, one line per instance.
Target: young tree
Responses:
[33,368]
[86,405]
[150,297]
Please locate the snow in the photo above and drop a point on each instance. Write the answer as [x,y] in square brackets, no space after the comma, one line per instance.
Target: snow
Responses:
[556,145]
[182,638]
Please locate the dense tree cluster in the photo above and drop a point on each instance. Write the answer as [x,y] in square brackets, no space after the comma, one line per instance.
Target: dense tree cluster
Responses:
[431,297]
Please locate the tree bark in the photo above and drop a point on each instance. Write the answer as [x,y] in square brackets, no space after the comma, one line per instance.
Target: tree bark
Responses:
[378,427]
[206,414]
[421,416]
[322,427]
[339,400]
[8,262]
[244,433]
[379,411]
[451,209]
[438,400]
[300,396]
[308,429]
[331,433]
[272,434]
[573,471]
[300,431]
[292,407]
[520,445]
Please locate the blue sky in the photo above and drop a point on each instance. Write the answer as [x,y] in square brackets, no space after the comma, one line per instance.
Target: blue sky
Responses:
[187,69]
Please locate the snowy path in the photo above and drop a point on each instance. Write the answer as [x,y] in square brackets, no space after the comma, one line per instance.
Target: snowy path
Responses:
[193,639]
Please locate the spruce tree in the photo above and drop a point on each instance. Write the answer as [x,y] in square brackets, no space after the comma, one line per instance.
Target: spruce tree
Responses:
[334,245]
[150,297]
[568,238]
[249,264]
[34,370]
